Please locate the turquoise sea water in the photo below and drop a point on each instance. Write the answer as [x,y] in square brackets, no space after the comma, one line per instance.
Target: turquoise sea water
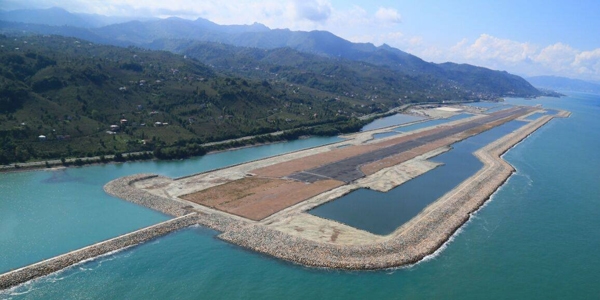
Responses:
[538,238]
[382,213]
[47,213]
[392,120]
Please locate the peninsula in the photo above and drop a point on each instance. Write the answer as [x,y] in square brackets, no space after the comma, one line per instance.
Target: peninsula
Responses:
[262,205]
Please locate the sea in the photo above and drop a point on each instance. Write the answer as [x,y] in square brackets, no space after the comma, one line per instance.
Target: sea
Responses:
[538,237]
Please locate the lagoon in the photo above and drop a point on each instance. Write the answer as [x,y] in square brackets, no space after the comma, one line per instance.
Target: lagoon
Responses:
[382,213]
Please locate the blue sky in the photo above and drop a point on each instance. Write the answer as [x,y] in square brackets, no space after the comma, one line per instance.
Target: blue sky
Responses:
[544,22]
[528,38]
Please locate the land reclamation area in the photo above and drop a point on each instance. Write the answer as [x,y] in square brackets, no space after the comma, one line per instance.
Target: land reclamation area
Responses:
[262,205]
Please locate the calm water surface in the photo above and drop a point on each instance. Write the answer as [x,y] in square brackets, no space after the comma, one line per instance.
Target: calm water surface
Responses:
[536,239]
[382,213]
[47,213]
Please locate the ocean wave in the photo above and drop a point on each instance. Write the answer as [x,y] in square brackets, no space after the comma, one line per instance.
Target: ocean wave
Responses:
[61,274]
[444,246]
[106,257]
[472,216]
[18,290]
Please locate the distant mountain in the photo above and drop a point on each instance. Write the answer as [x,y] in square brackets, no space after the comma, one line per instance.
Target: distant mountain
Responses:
[89,99]
[343,77]
[324,44]
[52,16]
[57,16]
[476,81]
[564,84]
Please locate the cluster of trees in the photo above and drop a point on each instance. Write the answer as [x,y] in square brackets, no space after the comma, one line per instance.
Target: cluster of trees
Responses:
[72,92]
[76,93]
[185,149]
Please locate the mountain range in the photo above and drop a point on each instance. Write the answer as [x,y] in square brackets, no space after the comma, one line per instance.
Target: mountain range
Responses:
[149,33]
[564,84]
[93,85]
[56,16]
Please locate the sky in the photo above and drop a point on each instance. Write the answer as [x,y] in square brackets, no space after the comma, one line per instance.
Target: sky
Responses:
[528,38]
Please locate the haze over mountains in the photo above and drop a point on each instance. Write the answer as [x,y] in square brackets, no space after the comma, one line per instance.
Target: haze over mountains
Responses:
[564,84]
[57,16]
[170,31]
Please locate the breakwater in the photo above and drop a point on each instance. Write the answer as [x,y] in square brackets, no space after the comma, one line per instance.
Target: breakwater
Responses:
[60,262]
[410,243]
[418,238]
[122,188]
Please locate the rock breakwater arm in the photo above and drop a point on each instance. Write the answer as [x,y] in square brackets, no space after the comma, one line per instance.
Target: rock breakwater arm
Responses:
[420,237]
[122,188]
[58,263]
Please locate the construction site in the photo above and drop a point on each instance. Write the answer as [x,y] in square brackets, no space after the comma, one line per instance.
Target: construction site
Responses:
[268,201]
[265,205]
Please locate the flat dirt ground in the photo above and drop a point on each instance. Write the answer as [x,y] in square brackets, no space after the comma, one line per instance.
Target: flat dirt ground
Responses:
[317,160]
[268,191]
[257,198]
[313,161]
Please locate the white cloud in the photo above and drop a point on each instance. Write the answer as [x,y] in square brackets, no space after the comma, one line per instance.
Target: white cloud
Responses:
[588,63]
[388,15]
[312,10]
[520,57]
[558,57]
[487,47]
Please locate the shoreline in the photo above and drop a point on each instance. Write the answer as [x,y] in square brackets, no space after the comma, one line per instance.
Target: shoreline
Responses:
[412,242]
[56,163]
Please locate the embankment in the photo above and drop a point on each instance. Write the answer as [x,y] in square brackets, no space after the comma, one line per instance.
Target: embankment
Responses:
[57,263]
[122,188]
[410,243]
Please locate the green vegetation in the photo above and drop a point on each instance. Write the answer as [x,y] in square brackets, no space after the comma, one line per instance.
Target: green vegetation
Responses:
[362,82]
[63,97]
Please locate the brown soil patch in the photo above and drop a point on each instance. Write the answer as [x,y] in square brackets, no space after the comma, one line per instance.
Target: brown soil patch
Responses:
[412,136]
[317,160]
[376,166]
[257,198]
[312,161]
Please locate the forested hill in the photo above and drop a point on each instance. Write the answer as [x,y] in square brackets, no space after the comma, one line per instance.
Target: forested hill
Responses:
[72,91]
[361,81]
[67,93]
[153,33]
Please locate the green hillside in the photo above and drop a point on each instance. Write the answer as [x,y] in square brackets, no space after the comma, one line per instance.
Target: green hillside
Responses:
[175,34]
[353,79]
[72,91]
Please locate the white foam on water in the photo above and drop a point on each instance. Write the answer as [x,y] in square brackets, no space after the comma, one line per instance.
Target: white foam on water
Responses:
[21,289]
[444,246]
[54,277]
